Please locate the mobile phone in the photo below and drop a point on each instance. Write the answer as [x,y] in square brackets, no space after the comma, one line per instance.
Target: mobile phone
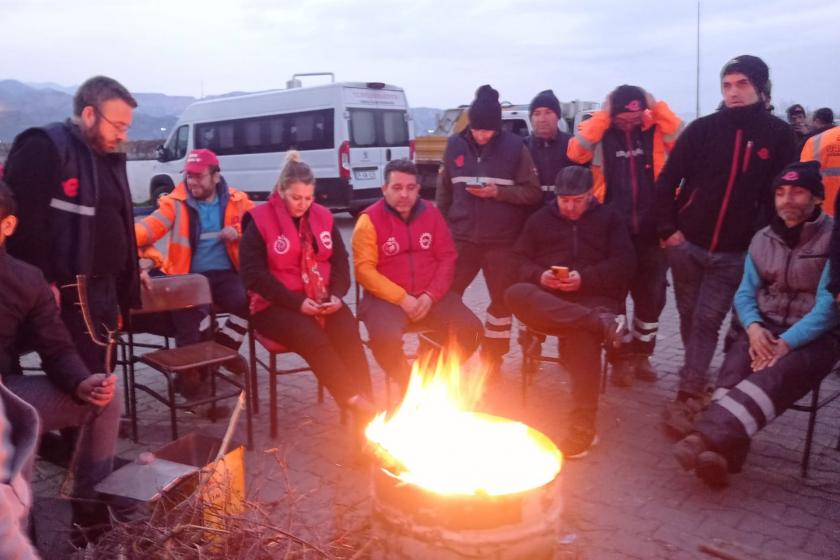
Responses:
[561,272]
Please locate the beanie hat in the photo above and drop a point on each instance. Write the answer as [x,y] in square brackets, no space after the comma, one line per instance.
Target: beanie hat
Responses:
[805,174]
[750,66]
[547,99]
[573,180]
[627,99]
[485,112]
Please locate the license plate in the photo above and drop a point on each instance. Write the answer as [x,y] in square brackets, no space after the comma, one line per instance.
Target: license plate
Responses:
[364,174]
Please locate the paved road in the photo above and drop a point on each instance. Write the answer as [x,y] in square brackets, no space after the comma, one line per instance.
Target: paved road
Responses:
[626,499]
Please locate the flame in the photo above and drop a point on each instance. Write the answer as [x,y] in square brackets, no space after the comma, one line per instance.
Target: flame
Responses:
[437,441]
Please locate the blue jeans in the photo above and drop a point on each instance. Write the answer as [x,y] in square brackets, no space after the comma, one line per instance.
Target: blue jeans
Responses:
[704,285]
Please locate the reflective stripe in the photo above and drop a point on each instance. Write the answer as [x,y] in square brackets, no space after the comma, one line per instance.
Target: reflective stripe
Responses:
[643,337]
[497,334]
[761,398]
[204,324]
[479,180]
[741,413]
[598,155]
[643,325]
[586,144]
[238,321]
[232,334]
[162,218]
[177,238]
[210,235]
[147,228]
[831,172]
[59,204]
[499,321]
[547,188]
[719,393]
[816,153]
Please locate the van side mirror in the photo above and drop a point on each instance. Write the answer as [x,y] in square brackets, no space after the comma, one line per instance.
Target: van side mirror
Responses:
[161,153]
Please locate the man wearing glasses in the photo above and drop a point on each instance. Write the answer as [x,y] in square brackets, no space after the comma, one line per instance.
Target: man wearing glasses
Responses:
[75,216]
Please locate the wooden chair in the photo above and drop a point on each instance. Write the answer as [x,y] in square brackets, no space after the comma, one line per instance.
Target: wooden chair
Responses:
[174,293]
[812,408]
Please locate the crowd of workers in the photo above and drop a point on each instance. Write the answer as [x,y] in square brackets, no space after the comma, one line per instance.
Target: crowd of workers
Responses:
[562,227]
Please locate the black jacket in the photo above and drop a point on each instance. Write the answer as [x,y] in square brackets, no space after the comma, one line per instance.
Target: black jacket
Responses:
[597,245]
[53,175]
[726,162]
[29,320]
[549,158]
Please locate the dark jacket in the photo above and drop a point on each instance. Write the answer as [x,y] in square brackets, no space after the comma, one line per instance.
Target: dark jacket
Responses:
[549,158]
[597,245]
[29,320]
[504,161]
[726,162]
[53,175]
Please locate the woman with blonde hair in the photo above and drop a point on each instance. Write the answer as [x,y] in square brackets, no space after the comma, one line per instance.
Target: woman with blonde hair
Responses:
[296,270]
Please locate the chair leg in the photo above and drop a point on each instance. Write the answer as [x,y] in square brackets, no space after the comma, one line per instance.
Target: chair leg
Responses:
[272,393]
[809,435]
[605,364]
[122,352]
[252,351]
[173,419]
[132,390]
[248,410]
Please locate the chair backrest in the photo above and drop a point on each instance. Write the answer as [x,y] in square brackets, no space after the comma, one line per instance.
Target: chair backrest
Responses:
[170,293]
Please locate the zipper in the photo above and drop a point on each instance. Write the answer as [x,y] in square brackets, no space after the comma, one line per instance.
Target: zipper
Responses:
[688,203]
[410,258]
[634,181]
[787,285]
[747,157]
[733,172]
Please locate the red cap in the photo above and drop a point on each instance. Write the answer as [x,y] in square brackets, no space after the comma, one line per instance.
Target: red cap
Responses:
[199,160]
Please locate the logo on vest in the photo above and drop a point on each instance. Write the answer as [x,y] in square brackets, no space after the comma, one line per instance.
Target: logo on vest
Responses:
[459,161]
[763,153]
[71,187]
[391,247]
[326,239]
[281,244]
[425,240]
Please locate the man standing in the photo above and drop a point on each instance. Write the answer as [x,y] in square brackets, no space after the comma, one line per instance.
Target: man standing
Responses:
[486,189]
[404,258]
[204,216]
[788,345]
[821,120]
[725,162]
[825,148]
[75,210]
[547,143]
[798,120]
[68,395]
[627,142]
[575,262]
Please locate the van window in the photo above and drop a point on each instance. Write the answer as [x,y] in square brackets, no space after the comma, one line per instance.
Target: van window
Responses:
[309,130]
[516,126]
[176,148]
[377,127]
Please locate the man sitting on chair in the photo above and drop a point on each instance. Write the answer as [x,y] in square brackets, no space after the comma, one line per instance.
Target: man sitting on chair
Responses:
[789,343]
[576,260]
[404,258]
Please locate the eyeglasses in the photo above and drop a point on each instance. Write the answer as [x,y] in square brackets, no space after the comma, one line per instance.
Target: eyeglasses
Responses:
[119,127]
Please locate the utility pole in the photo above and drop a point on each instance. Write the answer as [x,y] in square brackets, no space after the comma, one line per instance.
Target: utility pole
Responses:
[698,60]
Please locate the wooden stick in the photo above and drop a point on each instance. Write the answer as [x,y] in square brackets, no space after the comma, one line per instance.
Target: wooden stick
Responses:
[231,427]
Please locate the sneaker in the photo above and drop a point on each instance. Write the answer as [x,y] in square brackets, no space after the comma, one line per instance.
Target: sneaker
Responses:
[712,468]
[578,441]
[623,373]
[237,366]
[645,371]
[614,328]
[687,449]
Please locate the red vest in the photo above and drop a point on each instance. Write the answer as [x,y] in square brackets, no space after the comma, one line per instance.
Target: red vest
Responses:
[409,252]
[282,244]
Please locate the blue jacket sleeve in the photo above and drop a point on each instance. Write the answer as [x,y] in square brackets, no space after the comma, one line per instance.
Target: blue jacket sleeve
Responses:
[819,320]
[745,301]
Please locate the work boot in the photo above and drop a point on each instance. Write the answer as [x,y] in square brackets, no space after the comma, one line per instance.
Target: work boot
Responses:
[623,372]
[644,370]
[712,468]
[238,366]
[580,438]
[679,415]
[687,449]
[90,520]
[363,411]
[613,326]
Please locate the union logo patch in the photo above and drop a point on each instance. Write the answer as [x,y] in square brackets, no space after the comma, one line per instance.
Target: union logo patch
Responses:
[391,247]
[459,161]
[763,153]
[634,106]
[281,244]
[791,176]
[71,187]
[425,240]
[326,239]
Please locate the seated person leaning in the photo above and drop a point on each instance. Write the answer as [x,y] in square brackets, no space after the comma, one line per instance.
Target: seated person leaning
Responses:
[576,260]
[790,342]
[404,258]
[296,270]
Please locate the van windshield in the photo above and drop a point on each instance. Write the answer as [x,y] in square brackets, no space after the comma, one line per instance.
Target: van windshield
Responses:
[378,127]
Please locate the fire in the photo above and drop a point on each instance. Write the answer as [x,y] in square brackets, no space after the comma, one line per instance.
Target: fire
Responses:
[437,441]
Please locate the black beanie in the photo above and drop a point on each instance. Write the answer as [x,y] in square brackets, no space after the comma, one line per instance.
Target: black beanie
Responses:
[547,99]
[573,180]
[750,66]
[805,174]
[627,99]
[485,111]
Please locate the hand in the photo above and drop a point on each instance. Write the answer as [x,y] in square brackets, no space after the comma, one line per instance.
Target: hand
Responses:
[331,306]
[489,190]
[675,240]
[145,280]
[310,307]
[56,294]
[424,304]
[762,344]
[550,280]
[572,283]
[229,233]
[97,389]
[409,305]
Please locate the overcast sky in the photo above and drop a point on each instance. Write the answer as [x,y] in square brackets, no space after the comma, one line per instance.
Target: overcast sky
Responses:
[438,51]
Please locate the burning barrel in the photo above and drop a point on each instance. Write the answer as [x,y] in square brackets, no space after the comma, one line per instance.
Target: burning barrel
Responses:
[456,484]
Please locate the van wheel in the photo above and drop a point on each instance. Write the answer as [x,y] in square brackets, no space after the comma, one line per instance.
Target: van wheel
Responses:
[160,189]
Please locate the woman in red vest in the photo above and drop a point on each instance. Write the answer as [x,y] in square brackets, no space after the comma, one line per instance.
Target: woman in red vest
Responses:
[296,270]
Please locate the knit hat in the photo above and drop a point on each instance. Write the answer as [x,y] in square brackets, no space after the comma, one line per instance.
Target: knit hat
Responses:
[627,99]
[485,112]
[547,99]
[573,180]
[750,66]
[805,174]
